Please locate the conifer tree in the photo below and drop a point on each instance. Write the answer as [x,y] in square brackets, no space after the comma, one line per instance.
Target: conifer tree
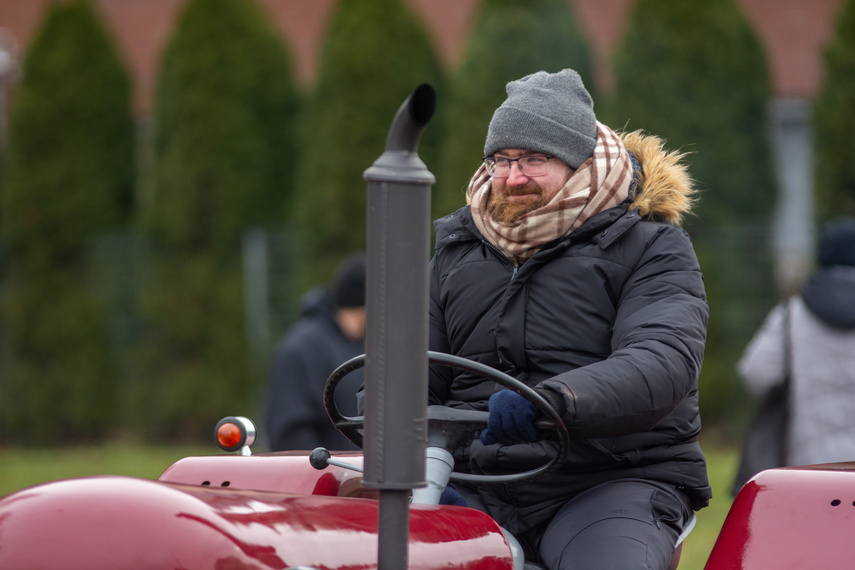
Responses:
[375,54]
[695,74]
[68,176]
[834,122]
[510,39]
[223,160]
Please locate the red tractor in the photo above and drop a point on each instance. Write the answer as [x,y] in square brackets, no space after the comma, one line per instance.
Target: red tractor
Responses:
[376,509]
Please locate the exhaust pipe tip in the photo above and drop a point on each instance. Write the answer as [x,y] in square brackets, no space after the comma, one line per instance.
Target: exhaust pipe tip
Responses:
[400,163]
[409,122]
[422,104]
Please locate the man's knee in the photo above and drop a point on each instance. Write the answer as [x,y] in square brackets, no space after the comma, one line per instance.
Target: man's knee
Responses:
[619,525]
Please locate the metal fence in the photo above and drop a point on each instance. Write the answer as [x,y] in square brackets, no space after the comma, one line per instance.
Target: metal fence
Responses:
[122,266]
[736,260]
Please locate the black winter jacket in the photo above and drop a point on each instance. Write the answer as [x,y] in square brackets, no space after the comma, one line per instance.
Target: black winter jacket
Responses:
[608,322]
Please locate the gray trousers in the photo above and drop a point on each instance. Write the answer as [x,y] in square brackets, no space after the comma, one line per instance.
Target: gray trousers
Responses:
[619,525]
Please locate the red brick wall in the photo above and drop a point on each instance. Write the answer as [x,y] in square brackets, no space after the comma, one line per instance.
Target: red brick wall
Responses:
[793,32]
[602,22]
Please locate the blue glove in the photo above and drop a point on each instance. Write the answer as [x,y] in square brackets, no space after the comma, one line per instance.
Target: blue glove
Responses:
[451,496]
[511,419]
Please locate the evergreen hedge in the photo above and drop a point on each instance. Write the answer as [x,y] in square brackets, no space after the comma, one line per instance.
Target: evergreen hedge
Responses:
[224,158]
[510,39]
[695,74]
[375,54]
[68,176]
[834,122]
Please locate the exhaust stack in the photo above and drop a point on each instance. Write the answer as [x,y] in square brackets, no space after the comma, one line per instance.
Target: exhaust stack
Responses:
[396,341]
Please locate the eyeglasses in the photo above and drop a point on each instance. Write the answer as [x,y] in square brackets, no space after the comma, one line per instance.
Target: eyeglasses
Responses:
[500,166]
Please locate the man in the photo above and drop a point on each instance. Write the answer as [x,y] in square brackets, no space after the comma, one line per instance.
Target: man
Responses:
[568,270]
[331,330]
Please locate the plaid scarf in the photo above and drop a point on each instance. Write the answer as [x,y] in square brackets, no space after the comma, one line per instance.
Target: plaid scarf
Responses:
[600,183]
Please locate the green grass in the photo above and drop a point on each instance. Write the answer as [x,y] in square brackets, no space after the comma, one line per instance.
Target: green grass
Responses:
[21,468]
[721,465]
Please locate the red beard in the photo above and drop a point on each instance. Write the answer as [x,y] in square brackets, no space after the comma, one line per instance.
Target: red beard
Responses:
[508,211]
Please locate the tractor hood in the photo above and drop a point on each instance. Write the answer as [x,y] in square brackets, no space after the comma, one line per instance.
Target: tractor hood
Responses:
[124,523]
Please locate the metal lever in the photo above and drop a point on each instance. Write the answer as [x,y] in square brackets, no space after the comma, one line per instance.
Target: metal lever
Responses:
[320,458]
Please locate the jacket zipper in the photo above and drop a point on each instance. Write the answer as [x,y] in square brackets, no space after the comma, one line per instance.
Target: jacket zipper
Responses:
[514,270]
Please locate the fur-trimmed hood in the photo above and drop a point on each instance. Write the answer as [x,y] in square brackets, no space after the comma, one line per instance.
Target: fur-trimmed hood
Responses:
[665,191]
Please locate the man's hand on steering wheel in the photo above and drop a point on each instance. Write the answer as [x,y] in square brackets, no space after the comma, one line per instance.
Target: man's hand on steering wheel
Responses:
[511,419]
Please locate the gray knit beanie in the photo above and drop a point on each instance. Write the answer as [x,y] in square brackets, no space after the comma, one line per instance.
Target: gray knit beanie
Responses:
[545,112]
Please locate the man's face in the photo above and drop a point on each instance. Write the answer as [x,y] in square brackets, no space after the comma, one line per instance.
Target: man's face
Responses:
[519,194]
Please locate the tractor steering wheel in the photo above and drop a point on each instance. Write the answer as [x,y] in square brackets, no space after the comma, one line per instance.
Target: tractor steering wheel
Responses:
[453,428]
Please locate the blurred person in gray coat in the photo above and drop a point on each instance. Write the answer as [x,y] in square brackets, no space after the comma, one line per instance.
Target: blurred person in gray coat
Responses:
[817,340]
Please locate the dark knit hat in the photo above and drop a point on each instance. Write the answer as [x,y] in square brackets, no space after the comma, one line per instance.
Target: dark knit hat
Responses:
[837,243]
[349,285]
[551,113]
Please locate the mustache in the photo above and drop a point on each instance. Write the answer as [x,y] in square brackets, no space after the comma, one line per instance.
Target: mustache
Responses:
[530,188]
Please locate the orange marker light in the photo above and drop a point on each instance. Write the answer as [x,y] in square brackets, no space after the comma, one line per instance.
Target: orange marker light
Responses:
[235,433]
[229,436]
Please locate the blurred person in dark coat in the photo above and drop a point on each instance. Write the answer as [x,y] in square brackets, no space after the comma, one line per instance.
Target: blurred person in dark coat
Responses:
[330,331]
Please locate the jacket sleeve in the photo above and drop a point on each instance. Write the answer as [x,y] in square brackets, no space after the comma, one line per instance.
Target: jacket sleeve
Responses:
[657,347]
[762,363]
